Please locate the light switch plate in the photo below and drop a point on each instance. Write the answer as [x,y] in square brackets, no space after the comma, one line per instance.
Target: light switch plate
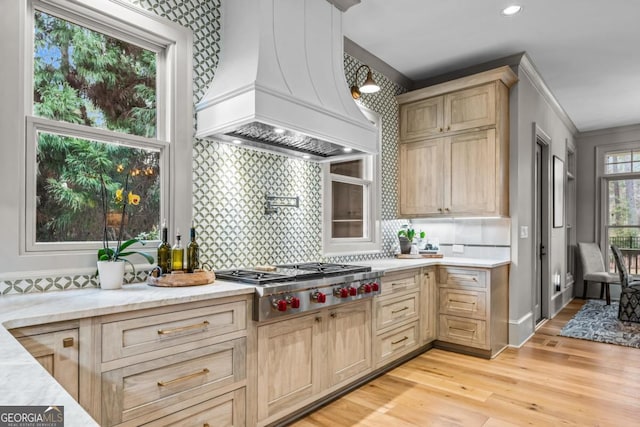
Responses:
[524,231]
[458,249]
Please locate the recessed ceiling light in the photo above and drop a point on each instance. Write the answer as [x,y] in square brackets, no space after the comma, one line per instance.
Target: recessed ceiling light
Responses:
[278,130]
[237,141]
[511,10]
[347,149]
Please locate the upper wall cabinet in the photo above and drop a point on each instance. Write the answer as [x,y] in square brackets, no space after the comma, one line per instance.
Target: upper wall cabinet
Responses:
[454,147]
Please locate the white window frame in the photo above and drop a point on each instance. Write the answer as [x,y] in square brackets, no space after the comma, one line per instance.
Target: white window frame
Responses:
[602,182]
[371,242]
[127,22]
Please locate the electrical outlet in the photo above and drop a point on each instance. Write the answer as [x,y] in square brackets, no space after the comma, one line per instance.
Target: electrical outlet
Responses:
[458,249]
[524,231]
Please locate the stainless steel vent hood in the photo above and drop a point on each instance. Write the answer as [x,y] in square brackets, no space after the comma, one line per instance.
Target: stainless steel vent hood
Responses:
[280,84]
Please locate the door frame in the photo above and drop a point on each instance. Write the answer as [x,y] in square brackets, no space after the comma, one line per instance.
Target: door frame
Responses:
[540,137]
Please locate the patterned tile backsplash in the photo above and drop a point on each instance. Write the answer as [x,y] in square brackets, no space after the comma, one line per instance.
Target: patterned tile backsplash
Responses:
[230,183]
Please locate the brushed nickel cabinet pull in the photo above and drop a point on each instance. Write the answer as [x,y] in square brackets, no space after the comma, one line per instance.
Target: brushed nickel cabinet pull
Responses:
[183,328]
[398,311]
[462,329]
[67,342]
[462,302]
[205,371]
[399,341]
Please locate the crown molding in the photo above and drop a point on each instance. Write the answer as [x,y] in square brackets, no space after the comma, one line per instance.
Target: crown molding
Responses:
[538,82]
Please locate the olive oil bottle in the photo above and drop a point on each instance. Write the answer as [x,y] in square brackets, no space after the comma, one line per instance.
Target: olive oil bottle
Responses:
[193,252]
[164,251]
[177,255]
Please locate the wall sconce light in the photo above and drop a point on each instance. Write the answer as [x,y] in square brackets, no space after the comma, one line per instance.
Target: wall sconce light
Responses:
[369,85]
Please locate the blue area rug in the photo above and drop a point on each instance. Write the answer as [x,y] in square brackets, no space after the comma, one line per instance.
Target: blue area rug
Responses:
[599,322]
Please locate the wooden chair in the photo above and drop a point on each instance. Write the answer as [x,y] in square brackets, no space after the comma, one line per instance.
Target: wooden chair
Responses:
[593,270]
[629,310]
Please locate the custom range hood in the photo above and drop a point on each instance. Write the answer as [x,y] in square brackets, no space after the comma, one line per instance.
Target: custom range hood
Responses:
[280,84]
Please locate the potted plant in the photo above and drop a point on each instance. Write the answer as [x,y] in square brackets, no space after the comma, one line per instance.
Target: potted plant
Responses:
[111,260]
[405,236]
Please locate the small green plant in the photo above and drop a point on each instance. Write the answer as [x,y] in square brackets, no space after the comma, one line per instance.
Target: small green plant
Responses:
[410,233]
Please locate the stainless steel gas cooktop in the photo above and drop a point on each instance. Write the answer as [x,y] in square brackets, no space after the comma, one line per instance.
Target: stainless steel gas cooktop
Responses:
[295,288]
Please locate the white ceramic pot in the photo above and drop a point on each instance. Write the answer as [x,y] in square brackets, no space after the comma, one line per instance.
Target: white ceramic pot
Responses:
[111,274]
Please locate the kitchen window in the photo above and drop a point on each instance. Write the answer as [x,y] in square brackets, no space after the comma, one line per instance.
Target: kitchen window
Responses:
[108,101]
[352,203]
[620,193]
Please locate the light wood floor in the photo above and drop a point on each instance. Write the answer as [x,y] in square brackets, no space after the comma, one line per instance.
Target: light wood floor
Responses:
[550,381]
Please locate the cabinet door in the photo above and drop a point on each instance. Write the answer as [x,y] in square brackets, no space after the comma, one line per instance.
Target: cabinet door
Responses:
[421,177]
[422,118]
[349,338]
[428,306]
[470,108]
[58,353]
[470,173]
[289,365]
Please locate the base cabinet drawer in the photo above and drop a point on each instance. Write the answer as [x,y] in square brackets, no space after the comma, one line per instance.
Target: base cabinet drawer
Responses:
[458,302]
[391,311]
[451,276]
[152,387]
[464,331]
[146,334]
[397,342]
[400,281]
[227,410]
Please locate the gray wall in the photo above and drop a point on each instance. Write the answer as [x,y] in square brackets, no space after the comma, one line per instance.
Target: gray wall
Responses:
[588,183]
[529,105]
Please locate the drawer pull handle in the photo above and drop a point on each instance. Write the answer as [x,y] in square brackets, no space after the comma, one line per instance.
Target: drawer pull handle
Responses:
[67,342]
[183,328]
[463,302]
[205,425]
[398,311]
[399,341]
[462,329]
[205,371]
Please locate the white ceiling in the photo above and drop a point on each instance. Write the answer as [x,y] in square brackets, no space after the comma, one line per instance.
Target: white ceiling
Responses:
[587,51]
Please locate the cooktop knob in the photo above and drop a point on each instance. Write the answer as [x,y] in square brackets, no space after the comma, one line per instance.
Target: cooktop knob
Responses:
[366,288]
[344,292]
[319,297]
[281,305]
[295,302]
[375,287]
[353,291]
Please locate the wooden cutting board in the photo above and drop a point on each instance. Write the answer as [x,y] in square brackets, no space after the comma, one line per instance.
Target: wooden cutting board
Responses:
[179,279]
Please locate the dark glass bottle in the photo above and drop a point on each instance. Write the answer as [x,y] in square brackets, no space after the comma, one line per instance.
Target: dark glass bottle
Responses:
[164,252]
[177,255]
[193,253]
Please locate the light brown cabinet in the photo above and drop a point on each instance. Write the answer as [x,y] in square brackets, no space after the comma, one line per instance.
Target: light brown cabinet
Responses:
[428,305]
[473,309]
[173,365]
[56,350]
[454,147]
[349,342]
[397,316]
[303,357]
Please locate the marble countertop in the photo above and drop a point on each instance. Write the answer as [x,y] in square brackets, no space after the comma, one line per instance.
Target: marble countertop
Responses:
[396,264]
[24,382]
